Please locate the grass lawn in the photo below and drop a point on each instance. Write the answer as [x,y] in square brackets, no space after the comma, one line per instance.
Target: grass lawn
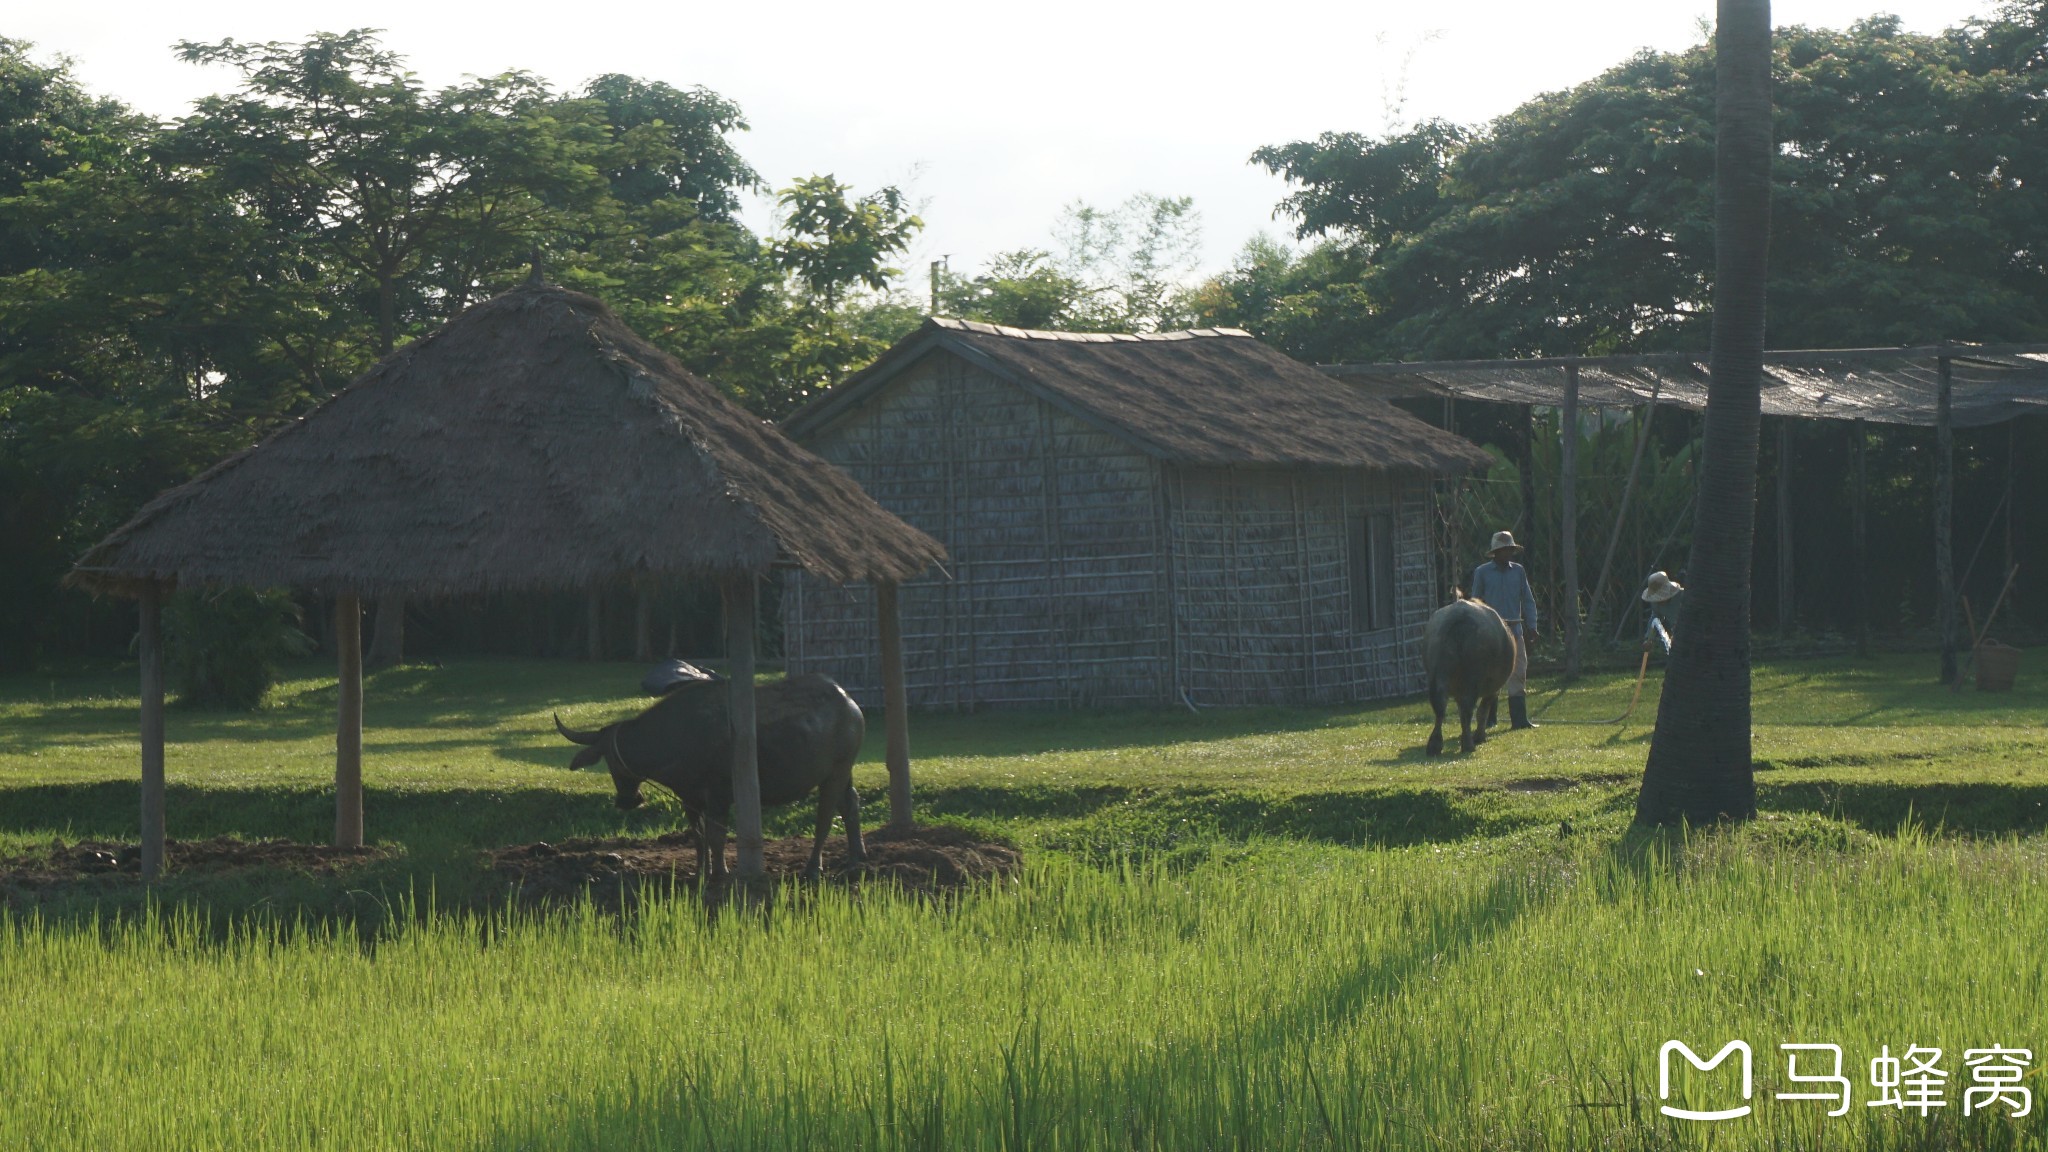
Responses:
[1254,929]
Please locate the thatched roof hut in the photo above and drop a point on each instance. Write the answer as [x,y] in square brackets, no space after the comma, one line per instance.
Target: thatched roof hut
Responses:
[1184,517]
[534,442]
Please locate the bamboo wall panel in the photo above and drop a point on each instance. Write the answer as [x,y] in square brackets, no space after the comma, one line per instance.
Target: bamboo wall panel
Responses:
[1263,584]
[1054,544]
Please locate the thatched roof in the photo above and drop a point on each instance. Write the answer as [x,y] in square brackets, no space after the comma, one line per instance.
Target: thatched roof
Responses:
[535,442]
[1215,396]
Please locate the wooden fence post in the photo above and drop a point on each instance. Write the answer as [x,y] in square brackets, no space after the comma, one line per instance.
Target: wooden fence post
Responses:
[1568,532]
[895,705]
[152,652]
[1787,604]
[1858,513]
[739,598]
[1944,500]
[1628,493]
[348,734]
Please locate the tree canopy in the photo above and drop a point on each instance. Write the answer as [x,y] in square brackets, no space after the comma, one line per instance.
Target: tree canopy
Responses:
[1910,182]
[171,291]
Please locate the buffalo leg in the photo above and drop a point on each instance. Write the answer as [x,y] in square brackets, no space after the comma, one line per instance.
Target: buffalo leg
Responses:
[1467,705]
[695,818]
[1436,705]
[822,828]
[714,844]
[1488,717]
[849,810]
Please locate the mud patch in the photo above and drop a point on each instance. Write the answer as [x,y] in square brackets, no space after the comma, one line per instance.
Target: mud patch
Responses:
[65,865]
[618,870]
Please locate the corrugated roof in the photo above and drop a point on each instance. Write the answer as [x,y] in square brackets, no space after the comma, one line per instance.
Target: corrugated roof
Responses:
[1213,396]
[1988,384]
[533,442]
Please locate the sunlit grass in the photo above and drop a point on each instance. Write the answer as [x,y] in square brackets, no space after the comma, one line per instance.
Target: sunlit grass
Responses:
[1514,998]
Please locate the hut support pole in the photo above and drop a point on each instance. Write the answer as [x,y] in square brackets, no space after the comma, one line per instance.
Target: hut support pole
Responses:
[643,626]
[1527,466]
[1944,499]
[895,705]
[746,767]
[152,733]
[2011,556]
[348,733]
[1786,601]
[1859,529]
[1628,494]
[1568,533]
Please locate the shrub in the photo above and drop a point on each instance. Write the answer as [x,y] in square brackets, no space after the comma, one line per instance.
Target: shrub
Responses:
[222,648]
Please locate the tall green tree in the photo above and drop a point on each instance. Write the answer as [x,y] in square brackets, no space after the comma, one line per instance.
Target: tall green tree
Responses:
[1911,177]
[1699,768]
[834,245]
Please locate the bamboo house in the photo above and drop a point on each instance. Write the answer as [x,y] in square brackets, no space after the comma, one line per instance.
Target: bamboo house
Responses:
[1182,518]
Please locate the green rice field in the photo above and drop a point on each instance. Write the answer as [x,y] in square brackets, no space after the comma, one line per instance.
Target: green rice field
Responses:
[1266,929]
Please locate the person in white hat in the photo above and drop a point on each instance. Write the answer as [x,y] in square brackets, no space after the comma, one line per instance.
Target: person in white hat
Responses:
[1504,585]
[1660,604]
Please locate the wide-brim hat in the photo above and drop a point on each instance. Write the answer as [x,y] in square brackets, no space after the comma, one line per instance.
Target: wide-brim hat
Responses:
[1503,539]
[1659,588]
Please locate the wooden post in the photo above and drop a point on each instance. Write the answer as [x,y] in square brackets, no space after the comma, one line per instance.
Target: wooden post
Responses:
[1787,605]
[2011,545]
[1858,527]
[593,649]
[348,734]
[1527,466]
[643,626]
[1944,500]
[746,769]
[895,706]
[1568,531]
[152,732]
[1628,493]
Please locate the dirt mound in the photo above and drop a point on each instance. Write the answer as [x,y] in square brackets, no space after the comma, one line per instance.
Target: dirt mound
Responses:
[68,863]
[928,858]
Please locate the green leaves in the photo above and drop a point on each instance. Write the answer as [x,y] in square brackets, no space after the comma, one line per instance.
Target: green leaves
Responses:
[1911,189]
[832,243]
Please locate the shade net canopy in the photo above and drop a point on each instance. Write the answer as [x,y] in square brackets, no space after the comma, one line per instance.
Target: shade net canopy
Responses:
[1988,384]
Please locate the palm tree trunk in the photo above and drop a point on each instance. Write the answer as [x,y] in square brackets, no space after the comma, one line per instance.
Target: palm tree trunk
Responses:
[1699,767]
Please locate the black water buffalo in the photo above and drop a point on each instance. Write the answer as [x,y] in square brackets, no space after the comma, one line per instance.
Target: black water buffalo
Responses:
[809,732]
[1468,653]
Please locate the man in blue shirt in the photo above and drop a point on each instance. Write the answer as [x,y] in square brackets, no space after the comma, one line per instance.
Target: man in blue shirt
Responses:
[1504,585]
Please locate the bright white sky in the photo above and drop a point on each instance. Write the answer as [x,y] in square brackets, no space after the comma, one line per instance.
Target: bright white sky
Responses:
[992,116]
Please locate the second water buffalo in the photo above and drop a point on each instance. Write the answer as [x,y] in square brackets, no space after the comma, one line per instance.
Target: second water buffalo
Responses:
[808,729]
[1468,653]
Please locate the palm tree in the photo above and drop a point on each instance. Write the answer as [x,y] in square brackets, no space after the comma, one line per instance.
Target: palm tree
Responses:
[1699,767]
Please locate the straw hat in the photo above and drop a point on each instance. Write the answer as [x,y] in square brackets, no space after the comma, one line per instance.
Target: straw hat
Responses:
[1659,588]
[1503,539]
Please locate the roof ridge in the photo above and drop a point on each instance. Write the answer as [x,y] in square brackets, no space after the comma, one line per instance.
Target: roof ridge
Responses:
[958,325]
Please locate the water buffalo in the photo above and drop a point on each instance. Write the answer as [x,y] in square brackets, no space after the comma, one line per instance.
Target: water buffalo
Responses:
[809,731]
[1468,653]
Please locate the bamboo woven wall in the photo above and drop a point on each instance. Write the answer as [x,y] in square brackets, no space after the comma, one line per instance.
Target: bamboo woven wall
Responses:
[1265,580]
[1085,574]
[1054,539]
